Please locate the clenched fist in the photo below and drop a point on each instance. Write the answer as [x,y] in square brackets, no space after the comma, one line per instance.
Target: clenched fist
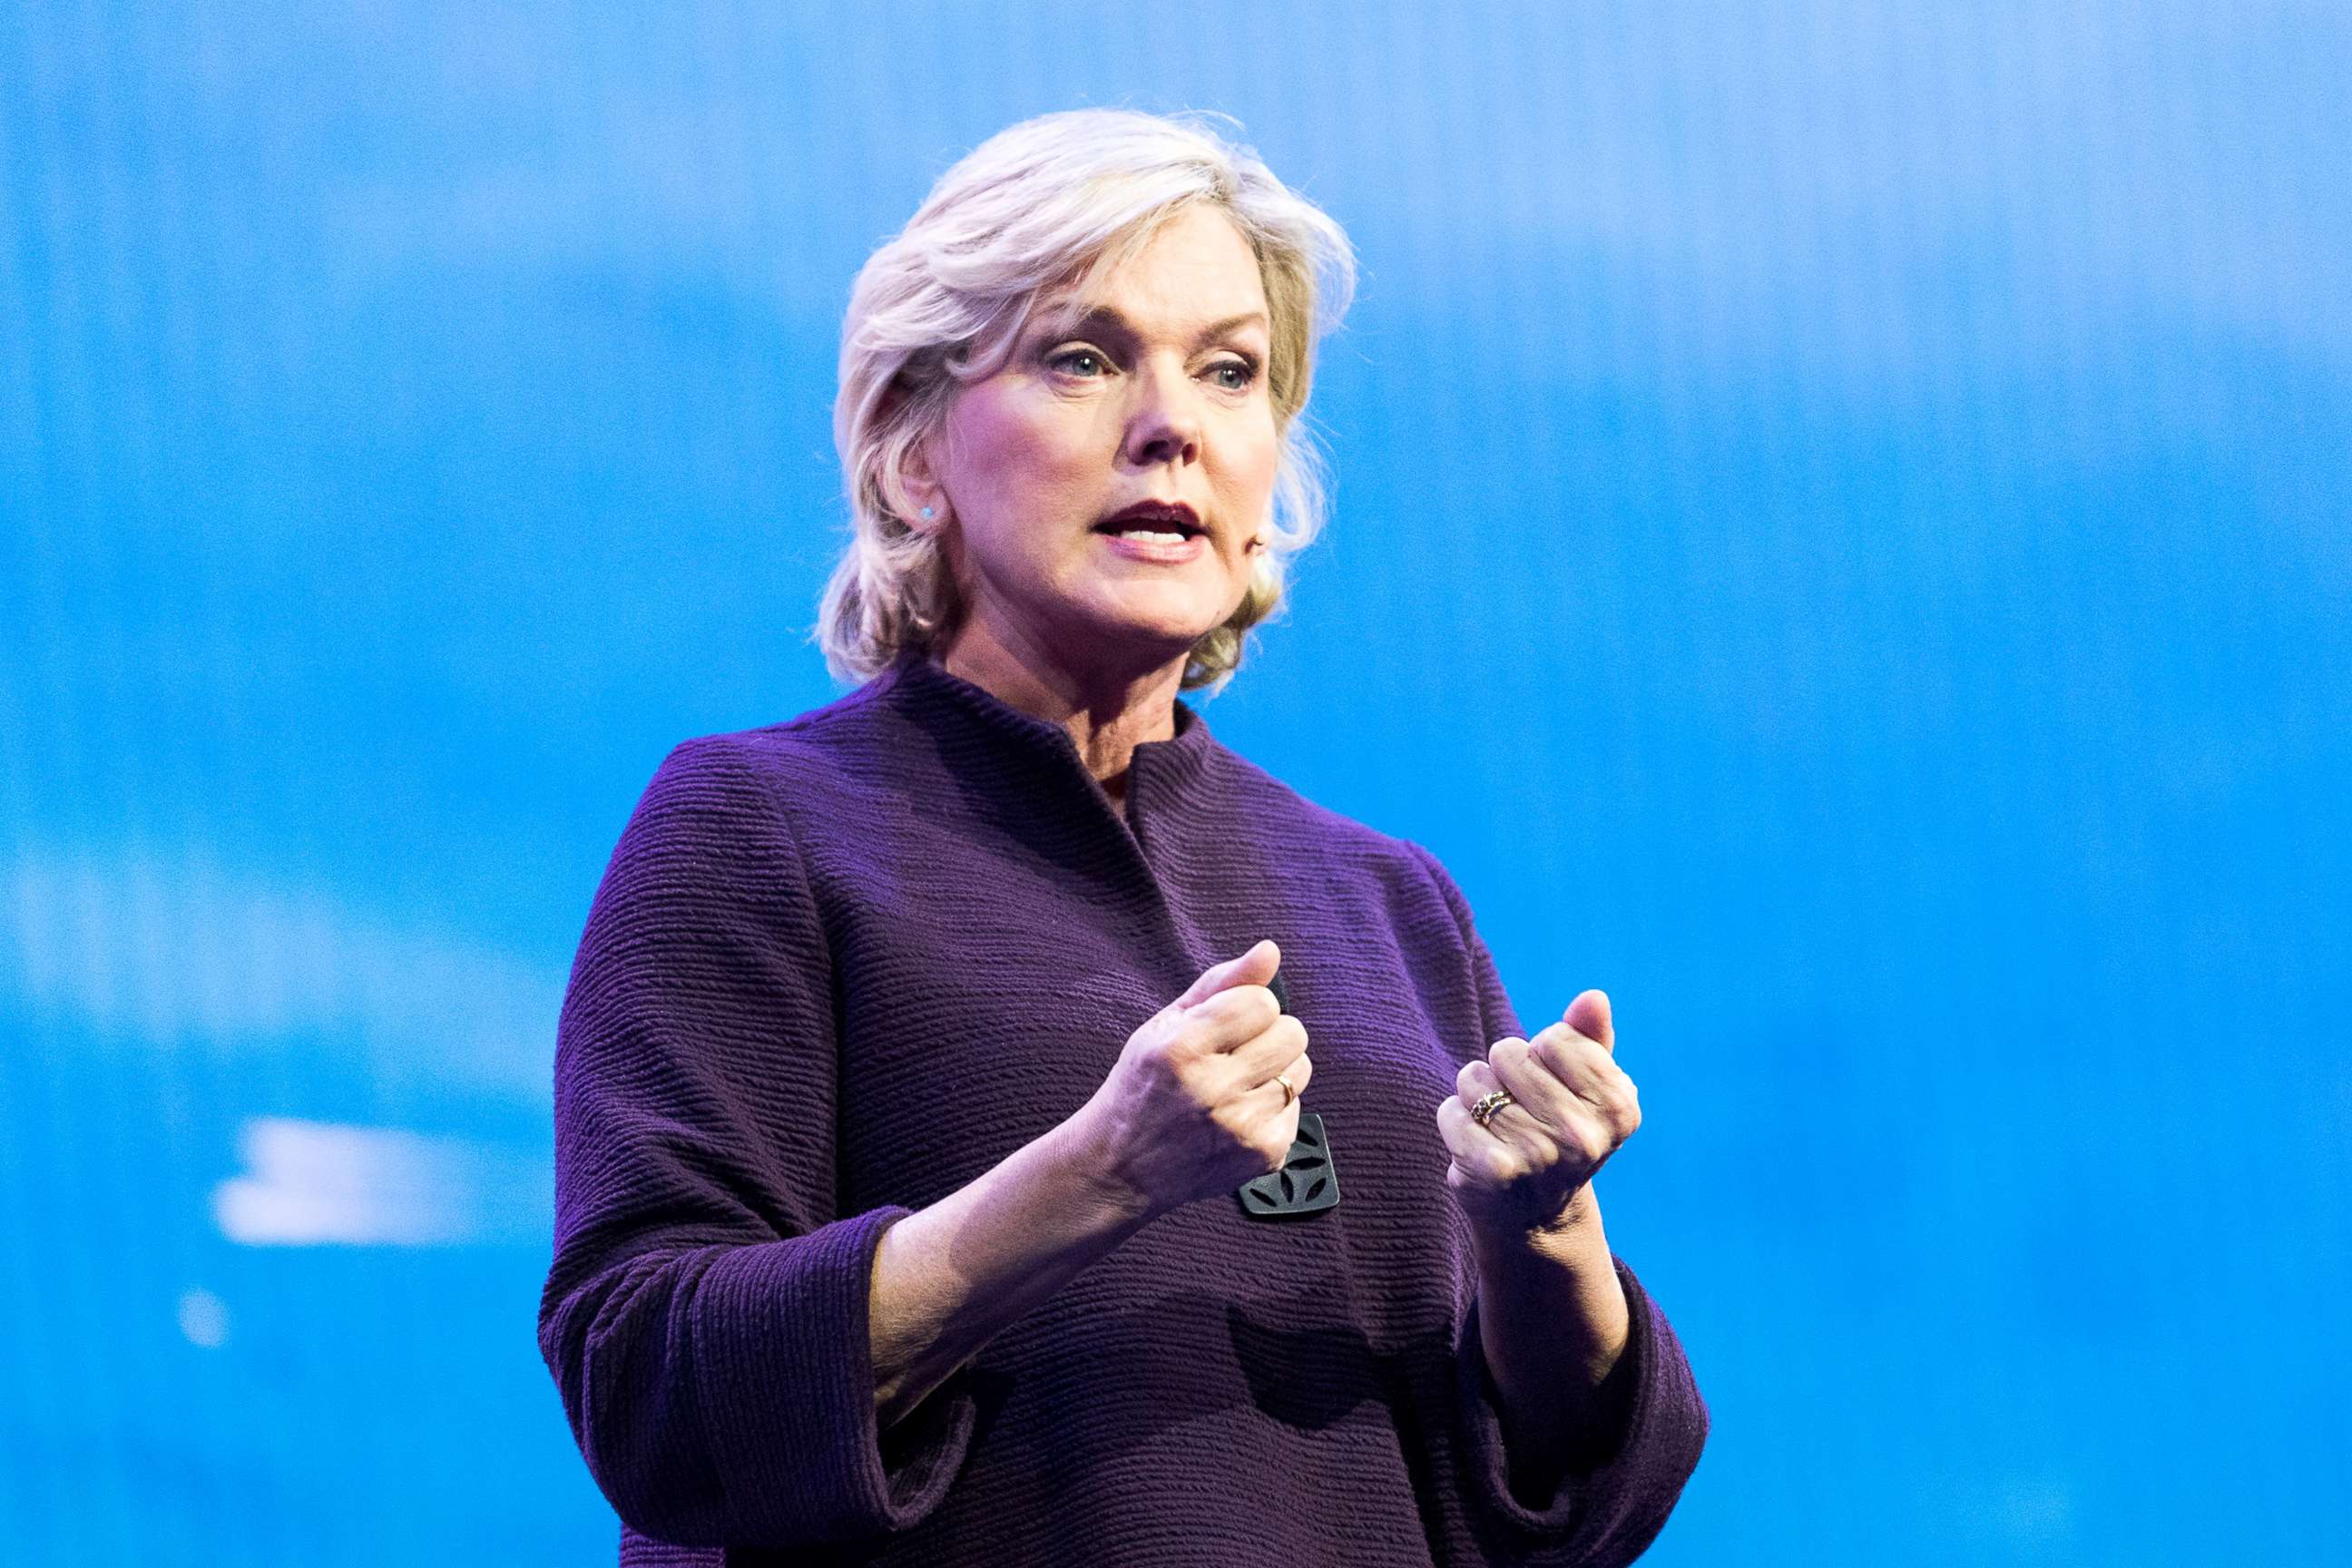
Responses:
[1572,1107]
[1193,1108]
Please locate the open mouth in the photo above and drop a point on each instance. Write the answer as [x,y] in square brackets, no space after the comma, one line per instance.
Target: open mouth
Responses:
[1154,522]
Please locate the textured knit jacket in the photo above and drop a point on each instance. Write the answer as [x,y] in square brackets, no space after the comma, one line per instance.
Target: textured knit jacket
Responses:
[840,967]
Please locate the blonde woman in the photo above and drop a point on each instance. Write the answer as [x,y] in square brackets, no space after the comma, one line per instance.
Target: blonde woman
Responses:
[996,1123]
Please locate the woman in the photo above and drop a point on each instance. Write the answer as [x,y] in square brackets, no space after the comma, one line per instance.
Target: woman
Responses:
[919,1049]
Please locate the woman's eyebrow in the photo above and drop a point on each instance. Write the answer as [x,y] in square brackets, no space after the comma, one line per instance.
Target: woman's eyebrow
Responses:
[1230,325]
[1109,320]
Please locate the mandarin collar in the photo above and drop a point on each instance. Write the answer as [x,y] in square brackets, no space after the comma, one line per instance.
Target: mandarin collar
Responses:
[922,682]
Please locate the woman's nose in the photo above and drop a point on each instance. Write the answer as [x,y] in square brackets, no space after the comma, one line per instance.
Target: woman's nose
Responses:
[1164,425]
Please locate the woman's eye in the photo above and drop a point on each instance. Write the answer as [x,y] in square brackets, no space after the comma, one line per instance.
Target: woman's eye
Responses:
[1077,361]
[1233,375]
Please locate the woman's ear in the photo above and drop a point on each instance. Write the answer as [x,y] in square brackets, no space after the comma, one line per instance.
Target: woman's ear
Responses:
[1261,538]
[914,496]
[913,501]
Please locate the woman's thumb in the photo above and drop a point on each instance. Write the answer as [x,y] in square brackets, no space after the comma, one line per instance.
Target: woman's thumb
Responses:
[1590,1014]
[1254,967]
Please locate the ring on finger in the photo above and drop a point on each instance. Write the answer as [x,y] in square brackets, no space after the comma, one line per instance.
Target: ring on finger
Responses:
[1489,1104]
[1288,1093]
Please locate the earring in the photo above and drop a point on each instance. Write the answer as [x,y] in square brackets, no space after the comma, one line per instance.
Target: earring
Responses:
[928,513]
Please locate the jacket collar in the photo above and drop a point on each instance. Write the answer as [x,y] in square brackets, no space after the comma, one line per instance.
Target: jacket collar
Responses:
[918,681]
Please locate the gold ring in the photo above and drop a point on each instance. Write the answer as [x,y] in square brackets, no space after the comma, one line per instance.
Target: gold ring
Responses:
[1484,1111]
[1288,1093]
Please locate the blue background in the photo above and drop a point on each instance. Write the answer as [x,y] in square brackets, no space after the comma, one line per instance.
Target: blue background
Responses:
[1840,539]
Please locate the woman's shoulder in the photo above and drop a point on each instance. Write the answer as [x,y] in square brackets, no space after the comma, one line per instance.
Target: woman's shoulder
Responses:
[828,736]
[712,778]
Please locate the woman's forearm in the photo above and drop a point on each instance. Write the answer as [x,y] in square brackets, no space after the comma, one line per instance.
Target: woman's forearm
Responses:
[1552,1323]
[950,1278]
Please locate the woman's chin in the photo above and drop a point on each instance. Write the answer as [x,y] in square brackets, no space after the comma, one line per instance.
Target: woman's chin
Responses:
[1159,616]
[1147,642]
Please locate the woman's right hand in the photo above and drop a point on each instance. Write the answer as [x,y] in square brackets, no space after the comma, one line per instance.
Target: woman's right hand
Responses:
[1192,1109]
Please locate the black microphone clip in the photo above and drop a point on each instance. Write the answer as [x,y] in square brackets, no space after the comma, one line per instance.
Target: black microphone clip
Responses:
[1306,1183]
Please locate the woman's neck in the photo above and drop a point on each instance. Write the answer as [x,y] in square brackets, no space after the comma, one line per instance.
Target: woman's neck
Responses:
[1108,711]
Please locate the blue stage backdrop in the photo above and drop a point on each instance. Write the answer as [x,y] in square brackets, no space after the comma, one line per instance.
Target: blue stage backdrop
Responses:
[1840,539]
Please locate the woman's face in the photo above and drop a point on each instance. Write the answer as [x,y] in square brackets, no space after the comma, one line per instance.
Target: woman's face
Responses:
[1158,396]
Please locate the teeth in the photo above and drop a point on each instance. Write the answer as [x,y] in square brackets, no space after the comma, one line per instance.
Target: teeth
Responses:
[1151,536]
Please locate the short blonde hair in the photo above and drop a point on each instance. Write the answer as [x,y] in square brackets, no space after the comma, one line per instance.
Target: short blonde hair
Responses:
[1059,200]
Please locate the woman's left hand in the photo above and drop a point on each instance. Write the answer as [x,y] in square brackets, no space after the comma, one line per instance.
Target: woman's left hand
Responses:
[1572,1107]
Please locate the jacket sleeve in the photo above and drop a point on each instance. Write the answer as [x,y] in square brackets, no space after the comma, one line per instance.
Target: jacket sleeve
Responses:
[1609,1513]
[705,1315]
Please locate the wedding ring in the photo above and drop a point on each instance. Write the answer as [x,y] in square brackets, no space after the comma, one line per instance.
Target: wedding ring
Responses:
[1484,1111]
[1288,1093]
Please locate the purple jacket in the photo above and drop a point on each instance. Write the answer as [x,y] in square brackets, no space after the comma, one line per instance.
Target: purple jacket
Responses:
[839,967]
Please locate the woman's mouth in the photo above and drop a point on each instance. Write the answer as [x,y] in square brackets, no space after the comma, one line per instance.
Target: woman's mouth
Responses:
[1163,533]
[1157,546]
